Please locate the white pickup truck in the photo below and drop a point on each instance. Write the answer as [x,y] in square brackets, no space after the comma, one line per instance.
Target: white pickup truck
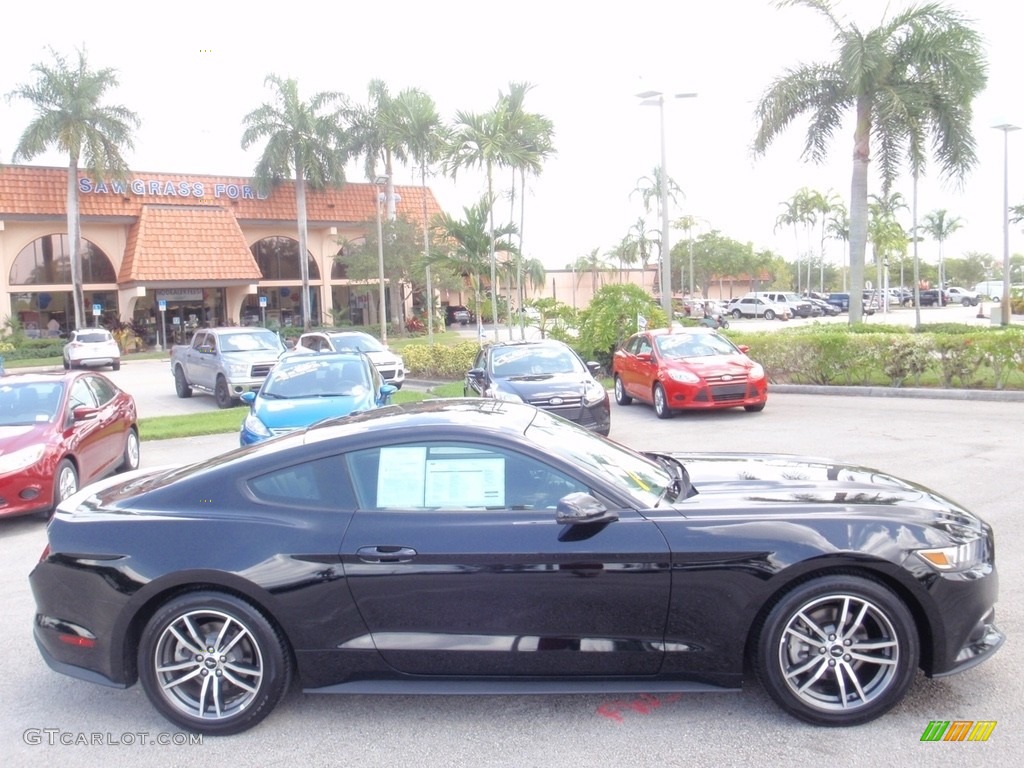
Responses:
[225,361]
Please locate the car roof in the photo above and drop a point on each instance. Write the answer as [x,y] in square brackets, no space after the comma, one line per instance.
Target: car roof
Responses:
[44,376]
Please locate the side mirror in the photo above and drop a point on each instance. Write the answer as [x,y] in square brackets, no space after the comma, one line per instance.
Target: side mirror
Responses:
[644,356]
[594,367]
[248,398]
[84,413]
[743,348]
[386,391]
[477,374]
[582,509]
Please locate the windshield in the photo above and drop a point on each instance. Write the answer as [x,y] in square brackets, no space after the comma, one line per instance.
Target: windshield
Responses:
[317,376]
[250,342]
[29,402]
[679,346]
[645,480]
[93,337]
[534,361]
[360,342]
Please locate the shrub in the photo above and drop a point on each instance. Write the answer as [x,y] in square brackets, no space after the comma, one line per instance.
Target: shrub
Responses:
[439,361]
[959,358]
[908,356]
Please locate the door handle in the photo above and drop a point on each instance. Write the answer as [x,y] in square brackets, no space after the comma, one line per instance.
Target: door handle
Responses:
[386,554]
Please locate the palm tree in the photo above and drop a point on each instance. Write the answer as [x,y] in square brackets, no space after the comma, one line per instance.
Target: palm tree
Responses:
[70,115]
[940,227]
[839,229]
[303,139]
[472,240]
[594,263]
[795,215]
[480,140]
[912,78]
[819,207]
[375,136]
[420,132]
[649,188]
[640,244]
[529,144]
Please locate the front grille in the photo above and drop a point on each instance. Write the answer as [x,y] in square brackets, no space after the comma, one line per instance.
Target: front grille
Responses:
[260,370]
[282,430]
[725,393]
[387,375]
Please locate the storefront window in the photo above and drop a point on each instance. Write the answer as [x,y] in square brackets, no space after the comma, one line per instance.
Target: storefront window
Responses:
[278,259]
[47,261]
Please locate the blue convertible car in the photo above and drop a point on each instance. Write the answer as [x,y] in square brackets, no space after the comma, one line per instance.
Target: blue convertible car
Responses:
[305,388]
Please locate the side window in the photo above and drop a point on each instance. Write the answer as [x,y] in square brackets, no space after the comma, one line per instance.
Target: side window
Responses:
[454,476]
[198,340]
[634,345]
[481,360]
[102,389]
[310,342]
[644,346]
[322,484]
[81,396]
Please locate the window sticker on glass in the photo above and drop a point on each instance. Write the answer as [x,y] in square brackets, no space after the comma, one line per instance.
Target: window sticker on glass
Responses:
[400,476]
[465,482]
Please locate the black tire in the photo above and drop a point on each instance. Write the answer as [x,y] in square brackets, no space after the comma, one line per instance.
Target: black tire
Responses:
[737,314]
[754,408]
[620,393]
[255,653]
[181,384]
[724,323]
[65,483]
[769,314]
[829,618]
[661,403]
[221,393]
[116,365]
[130,457]
[67,365]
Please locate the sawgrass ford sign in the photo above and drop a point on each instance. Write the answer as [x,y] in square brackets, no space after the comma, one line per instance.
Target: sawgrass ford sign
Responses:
[164,188]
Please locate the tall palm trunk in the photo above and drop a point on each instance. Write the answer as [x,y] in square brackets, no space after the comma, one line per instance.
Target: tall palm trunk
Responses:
[75,244]
[490,244]
[300,207]
[859,210]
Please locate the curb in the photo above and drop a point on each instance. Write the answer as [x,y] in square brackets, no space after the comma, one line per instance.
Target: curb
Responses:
[997,395]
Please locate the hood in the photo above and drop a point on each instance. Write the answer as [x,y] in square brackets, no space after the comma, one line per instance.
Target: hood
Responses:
[545,385]
[749,481]
[719,365]
[17,436]
[301,412]
[381,357]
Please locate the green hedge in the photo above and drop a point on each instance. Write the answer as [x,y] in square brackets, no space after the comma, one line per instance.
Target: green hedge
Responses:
[25,349]
[945,356]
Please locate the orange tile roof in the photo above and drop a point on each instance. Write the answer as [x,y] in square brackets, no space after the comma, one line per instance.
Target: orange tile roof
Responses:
[37,191]
[179,243]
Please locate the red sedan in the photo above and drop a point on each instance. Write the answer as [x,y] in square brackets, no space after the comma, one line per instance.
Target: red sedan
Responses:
[59,432]
[687,368]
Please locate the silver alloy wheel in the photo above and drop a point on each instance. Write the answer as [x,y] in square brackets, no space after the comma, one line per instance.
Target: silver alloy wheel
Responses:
[208,665]
[67,481]
[839,653]
[661,402]
[131,452]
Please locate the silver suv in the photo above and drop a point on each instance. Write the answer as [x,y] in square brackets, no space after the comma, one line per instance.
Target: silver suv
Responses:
[754,306]
[798,307]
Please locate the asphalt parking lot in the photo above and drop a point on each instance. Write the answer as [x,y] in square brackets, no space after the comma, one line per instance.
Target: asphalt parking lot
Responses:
[969,450]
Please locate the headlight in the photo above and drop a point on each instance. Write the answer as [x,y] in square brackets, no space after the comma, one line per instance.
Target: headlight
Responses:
[253,425]
[593,393]
[961,557]
[19,460]
[684,377]
[238,370]
[756,371]
[497,394]
[399,363]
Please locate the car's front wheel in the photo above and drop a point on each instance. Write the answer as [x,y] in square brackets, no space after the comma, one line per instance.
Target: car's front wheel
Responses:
[769,314]
[221,393]
[130,458]
[737,314]
[754,408]
[212,663]
[661,403]
[837,650]
[65,483]
[620,392]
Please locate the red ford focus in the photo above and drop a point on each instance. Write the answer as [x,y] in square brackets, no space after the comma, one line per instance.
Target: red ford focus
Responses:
[59,432]
[687,368]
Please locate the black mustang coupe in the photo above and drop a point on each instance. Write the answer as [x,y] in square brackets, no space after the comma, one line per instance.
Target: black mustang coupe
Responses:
[478,545]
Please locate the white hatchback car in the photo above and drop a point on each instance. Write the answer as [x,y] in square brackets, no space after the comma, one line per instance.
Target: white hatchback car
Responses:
[390,365]
[91,347]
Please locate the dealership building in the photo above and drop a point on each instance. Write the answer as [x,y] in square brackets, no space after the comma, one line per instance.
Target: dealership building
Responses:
[193,250]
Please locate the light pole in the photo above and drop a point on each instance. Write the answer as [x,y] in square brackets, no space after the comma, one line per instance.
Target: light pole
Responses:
[380,180]
[1005,303]
[652,98]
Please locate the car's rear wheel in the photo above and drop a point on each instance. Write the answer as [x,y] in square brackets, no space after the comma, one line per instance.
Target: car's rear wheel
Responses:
[620,393]
[130,458]
[181,386]
[661,403]
[212,663]
[67,365]
[837,650]
[116,365]
[221,393]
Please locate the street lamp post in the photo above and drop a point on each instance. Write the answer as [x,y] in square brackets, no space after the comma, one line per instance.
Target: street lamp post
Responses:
[1005,303]
[381,180]
[652,98]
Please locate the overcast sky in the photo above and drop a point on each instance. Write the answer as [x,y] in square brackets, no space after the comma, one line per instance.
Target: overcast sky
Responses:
[191,71]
